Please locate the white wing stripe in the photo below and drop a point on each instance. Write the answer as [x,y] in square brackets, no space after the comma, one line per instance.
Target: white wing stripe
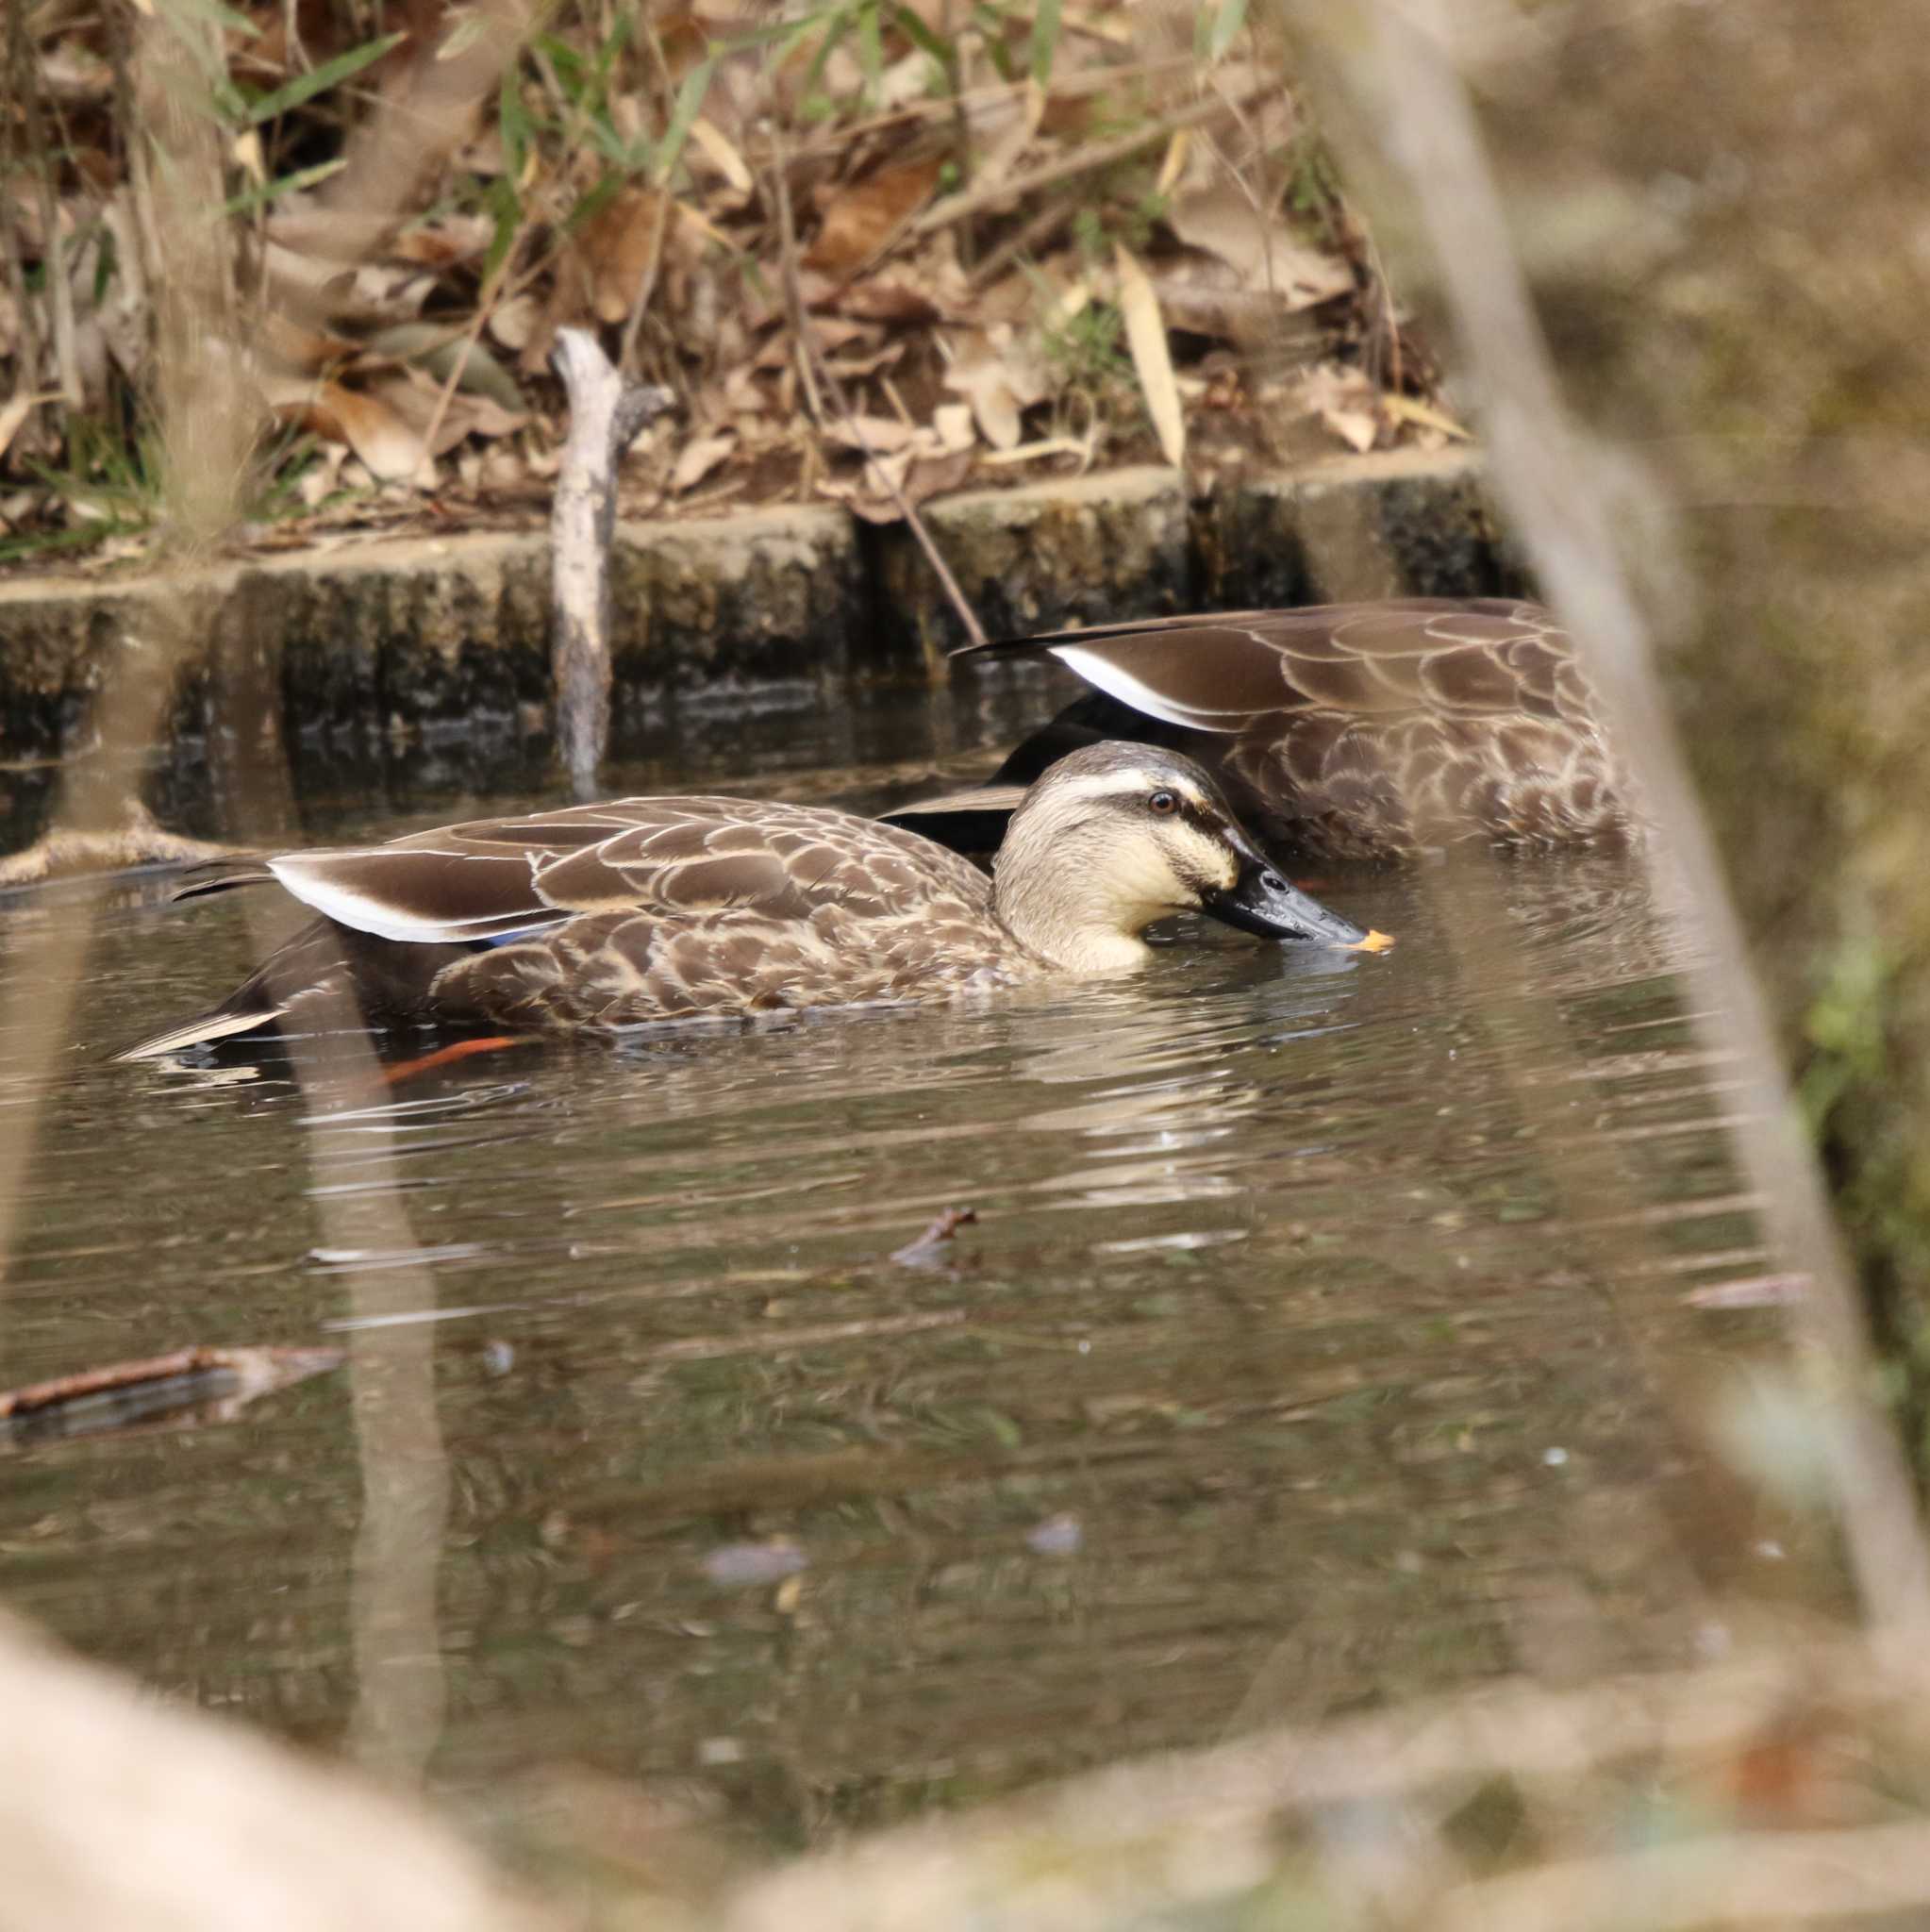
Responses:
[1129,690]
[383,919]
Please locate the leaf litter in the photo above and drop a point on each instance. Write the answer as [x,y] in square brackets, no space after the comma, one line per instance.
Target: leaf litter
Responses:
[1018,246]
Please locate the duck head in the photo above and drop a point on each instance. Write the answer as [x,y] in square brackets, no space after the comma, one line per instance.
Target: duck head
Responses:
[1116,836]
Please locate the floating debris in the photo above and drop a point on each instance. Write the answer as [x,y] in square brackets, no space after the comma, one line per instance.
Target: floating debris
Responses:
[187,1388]
[926,1248]
[746,1566]
[1062,1535]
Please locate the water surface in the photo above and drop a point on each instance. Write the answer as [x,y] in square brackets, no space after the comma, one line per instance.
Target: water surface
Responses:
[1325,1335]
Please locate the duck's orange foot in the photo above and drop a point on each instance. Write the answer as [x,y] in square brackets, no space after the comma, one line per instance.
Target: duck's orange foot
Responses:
[448,1055]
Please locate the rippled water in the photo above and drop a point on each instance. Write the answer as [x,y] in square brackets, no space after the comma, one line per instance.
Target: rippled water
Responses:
[1325,1333]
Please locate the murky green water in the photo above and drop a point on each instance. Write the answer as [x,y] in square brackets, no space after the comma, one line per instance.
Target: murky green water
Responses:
[1324,1335]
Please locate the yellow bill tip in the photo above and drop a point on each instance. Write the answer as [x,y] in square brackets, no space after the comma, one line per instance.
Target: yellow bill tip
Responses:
[1374,943]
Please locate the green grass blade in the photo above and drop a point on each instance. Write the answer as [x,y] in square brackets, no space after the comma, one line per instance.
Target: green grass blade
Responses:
[305,86]
[264,191]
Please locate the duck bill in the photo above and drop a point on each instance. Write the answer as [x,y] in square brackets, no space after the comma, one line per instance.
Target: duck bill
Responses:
[1261,901]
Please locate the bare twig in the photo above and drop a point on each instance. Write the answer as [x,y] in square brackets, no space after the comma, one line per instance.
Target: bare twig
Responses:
[646,283]
[1082,160]
[819,382]
[606,414]
[22,73]
[794,293]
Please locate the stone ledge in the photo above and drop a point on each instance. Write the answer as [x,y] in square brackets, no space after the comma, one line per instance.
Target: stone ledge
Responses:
[446,633]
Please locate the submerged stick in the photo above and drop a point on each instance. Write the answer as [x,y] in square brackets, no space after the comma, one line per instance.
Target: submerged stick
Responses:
[605,414]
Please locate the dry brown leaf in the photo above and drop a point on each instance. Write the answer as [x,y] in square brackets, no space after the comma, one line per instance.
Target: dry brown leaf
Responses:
[829,333]
[443,240]
[386,446]
[1424,416]
[305,350]
[1046,446]
[880,435]
[856,368]
[892,298]
[1345,401]
[1145,330]
[998,377]
[863,217]
[15,411]
[1262,250]
[620,246]
[514,322]
[722,153]
[953,427]
[868,494]
[416,399]
[697,458]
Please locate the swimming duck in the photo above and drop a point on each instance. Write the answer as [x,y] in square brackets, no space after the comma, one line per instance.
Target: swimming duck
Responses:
[666,908]
[1341,730]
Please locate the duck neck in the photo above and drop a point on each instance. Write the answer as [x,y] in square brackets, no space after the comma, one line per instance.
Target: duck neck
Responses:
[1061,907]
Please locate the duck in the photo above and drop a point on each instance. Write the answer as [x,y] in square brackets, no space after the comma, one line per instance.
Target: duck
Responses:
[1375,731]
[669,909]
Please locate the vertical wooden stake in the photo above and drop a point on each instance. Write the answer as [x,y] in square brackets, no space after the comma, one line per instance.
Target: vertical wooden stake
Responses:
[606,414]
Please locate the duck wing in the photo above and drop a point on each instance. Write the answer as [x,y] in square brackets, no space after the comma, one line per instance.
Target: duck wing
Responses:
[495,879]
[403,922]
[1351,729]
[1223,673]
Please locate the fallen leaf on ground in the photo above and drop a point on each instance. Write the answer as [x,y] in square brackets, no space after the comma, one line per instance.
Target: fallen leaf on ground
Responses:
[1345,401]
[17,409]
[513,322]
[862,216]
[1424,416]
[1262,249]
[621,245]
[998,378]
[386,444]
[1145,330]
[698,458]
[879,435]
[869,495]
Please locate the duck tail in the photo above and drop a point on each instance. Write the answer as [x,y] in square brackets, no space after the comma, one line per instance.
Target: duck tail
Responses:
[250,1008]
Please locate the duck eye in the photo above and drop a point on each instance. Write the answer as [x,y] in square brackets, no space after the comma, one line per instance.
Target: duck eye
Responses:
[1164,803]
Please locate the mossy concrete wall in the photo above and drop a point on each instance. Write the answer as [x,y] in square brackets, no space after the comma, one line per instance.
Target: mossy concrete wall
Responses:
[430,636]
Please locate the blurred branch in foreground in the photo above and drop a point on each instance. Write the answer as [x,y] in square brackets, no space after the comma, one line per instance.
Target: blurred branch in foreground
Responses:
[115,1812]
[1603,528]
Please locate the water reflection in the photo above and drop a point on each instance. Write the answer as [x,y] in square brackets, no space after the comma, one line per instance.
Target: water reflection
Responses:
[1325,1334]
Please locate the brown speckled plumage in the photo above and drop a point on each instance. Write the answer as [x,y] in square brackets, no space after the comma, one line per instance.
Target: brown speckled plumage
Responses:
[1360,730]
[650,910]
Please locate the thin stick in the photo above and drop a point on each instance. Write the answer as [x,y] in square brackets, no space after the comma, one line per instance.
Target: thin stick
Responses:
[794,292]
[1081,160]
[819,382]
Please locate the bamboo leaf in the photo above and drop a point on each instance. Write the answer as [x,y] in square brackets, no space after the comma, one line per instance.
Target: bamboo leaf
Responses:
[1146,337]
[330,74]
[1217,28]
[264,192]
[689,103]
[1045,28]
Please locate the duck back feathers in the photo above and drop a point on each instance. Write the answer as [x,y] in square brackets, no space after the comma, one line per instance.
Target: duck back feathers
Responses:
[1357,730]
